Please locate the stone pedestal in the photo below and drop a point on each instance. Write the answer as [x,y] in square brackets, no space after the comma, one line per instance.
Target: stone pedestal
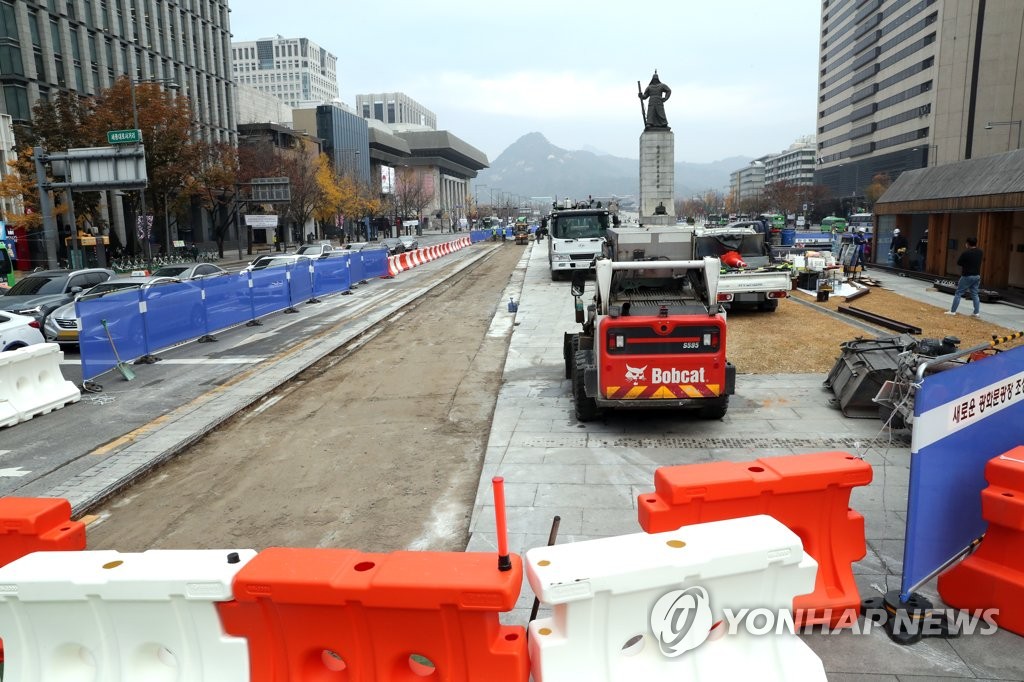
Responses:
[657,176]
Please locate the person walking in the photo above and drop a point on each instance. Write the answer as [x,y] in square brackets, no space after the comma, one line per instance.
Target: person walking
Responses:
[970,276]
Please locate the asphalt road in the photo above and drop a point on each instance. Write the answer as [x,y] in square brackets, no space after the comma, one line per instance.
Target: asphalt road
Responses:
[46,451]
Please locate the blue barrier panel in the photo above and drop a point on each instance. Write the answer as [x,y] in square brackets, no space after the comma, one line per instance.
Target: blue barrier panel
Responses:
[963,417]
[121,311]
[300,283]
[227,301]
[269,291]
[375,263]
[331,274]
[357,268]
[174,313]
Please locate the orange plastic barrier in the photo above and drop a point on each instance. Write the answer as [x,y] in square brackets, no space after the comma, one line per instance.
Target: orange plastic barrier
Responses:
[993,576]
[339,614]
[809,494]
[35,524]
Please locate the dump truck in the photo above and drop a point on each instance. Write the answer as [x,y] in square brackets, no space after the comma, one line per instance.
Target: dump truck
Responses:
[575,238]
[654,335]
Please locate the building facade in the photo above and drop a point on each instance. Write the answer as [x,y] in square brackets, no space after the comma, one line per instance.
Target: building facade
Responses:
[748,182]
[395,108]
[904,85]
[295,70]
[795,166]
[345,137]
[85,45]
[253,106]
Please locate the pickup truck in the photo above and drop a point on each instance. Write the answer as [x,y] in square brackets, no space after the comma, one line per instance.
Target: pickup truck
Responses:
[759,281]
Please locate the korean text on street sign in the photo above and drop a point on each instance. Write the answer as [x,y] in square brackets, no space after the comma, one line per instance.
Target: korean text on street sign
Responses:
[124,136]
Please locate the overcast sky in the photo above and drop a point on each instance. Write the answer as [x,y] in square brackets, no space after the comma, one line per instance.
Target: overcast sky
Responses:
[743,73]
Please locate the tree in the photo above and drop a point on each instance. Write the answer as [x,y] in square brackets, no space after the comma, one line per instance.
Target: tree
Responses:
[214,185]
[167,124]
[333,191]
[411,195]
[879,184]
[300,165]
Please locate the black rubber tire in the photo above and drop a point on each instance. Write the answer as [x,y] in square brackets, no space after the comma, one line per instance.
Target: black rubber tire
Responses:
[716,410]
[769,305]
[570,354]
[554,274]
[586,408]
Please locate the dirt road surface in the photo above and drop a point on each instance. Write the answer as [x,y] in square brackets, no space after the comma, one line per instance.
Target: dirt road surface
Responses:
[377,449]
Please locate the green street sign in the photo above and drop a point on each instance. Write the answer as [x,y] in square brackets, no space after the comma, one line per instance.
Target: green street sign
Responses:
[124,136]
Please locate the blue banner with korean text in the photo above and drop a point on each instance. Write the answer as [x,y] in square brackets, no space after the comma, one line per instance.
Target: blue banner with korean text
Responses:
[963,417]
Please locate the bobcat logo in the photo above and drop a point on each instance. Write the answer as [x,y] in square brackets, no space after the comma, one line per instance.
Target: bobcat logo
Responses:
[635,374]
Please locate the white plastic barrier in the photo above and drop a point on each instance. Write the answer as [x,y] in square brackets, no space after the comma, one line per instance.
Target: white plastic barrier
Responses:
[652,607]
[105,616]
[31,383]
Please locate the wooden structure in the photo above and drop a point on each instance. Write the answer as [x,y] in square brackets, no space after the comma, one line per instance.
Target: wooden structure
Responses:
[989,191]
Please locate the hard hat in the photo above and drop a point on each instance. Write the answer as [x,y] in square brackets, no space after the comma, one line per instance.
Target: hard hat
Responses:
[896,231]
[862,230]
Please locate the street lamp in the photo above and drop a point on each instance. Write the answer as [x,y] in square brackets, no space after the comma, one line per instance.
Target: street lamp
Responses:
[172,84]
[990,124]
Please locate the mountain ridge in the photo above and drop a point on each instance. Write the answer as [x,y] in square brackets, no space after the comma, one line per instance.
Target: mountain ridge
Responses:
[532,166]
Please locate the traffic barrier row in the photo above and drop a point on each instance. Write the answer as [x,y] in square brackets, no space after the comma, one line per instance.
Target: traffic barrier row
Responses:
[282,615]
[410,259]
[35,524]
[141,322]
[809,494]
[993,576]
[652,606]
[31,383]
[106,616]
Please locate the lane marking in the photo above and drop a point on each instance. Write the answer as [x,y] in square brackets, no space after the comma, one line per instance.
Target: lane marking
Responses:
[15,472]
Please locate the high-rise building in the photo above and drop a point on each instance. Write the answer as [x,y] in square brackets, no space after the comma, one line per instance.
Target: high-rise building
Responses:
[85,45]
[907,84]
[748,182]
[295,70]
[395,108]
[794,166]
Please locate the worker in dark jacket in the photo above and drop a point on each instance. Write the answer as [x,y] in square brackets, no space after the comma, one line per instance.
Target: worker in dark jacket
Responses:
[899,249]
[970,276]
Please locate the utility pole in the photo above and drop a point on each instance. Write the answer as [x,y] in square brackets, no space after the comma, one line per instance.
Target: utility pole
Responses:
[46,208]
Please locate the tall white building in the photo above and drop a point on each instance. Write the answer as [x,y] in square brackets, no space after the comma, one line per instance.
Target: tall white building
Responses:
[748,182]
[297,71]
[794,166]
[395,108]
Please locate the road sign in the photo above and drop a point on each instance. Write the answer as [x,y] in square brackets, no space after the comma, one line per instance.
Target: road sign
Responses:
[124,136]
[261,220]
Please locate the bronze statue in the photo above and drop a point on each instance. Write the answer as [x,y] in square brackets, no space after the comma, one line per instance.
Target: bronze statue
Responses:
[658,93]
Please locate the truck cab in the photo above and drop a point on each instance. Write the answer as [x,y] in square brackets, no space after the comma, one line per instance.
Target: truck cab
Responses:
[576,238]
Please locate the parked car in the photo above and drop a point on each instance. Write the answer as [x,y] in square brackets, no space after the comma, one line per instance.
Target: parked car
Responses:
[184,271]
[39,293]
[409,243]
[321,250]
[394,245]
[367,246]
[18,331]
[63,326]
[275,261]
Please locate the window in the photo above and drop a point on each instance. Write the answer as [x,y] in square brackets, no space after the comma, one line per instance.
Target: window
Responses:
[16,100]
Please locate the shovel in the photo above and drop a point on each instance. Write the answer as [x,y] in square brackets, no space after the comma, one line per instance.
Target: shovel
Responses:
[124,369]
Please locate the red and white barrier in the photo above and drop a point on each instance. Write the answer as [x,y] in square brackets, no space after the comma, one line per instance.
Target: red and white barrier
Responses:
[107,616]
[31,383]
[653,607]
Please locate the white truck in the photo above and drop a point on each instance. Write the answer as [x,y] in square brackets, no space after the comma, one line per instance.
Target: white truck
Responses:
[575,237]
[758,282]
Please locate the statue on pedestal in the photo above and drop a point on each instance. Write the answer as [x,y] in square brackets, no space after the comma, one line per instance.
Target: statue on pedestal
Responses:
[658,93]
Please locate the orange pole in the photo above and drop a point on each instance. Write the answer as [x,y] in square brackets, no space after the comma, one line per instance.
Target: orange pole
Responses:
[504,561]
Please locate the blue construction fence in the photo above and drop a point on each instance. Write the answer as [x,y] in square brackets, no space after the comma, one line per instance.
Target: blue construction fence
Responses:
[142,322]
[483,235]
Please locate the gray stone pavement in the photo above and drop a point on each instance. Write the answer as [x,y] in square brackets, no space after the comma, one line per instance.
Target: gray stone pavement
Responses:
[590,475]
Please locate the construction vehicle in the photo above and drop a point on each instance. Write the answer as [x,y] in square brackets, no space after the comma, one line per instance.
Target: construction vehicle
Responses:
[575,237]
[521,231]
[749,277]
[654,335]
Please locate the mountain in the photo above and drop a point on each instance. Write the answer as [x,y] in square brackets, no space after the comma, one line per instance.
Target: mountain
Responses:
[531,166]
